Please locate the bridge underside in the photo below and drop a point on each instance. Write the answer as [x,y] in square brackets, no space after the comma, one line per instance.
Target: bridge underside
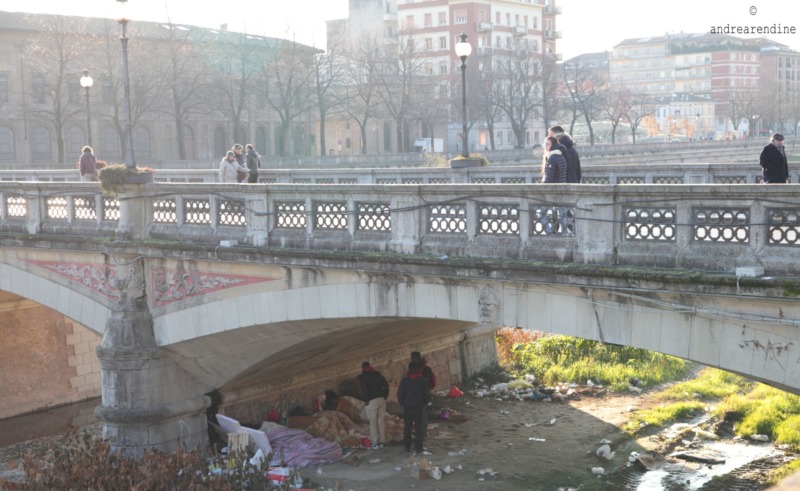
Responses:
[176,329]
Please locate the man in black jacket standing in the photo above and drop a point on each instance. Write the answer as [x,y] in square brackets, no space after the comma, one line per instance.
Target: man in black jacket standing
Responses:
[374,391]
[773,161]
[413,394]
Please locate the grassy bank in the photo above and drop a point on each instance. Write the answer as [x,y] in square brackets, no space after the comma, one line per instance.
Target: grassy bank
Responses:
[754,408]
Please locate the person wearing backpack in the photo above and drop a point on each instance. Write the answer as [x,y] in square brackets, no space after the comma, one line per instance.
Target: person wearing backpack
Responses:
[374,391]
[253,163]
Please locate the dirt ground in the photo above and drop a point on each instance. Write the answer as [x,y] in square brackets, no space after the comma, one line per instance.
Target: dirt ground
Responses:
[503,437]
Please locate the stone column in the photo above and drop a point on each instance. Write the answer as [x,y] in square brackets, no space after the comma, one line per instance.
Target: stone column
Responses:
[148,401]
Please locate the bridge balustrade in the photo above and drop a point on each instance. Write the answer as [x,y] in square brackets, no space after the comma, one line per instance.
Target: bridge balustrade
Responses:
[700,227]
[687,173]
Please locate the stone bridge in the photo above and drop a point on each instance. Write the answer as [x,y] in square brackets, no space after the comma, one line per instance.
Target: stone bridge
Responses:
[211,295]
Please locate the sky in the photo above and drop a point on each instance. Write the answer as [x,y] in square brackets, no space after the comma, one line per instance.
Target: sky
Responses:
[586,25]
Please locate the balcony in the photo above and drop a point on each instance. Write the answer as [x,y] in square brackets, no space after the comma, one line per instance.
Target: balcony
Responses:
[520,30]
[552,10]
[483,26]
[552,34]
[484,50]
[555,56]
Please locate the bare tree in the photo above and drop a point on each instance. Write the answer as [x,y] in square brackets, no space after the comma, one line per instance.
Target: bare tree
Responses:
[361,86]
[53,58]
[519,93]
[184,76]
[329,78]
[289,80]
[237,60]
[586,88]
[615,106]
[147,87]
[639,109]
[398,78]
[483,90]
[742,104]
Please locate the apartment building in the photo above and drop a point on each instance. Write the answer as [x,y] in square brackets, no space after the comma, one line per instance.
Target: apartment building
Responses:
[494,28]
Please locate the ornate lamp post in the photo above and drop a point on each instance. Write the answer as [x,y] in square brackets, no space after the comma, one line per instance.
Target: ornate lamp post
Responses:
[86,83]
[463,50]
[123,22]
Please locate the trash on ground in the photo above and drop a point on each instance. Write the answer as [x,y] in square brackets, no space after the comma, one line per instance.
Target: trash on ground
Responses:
[598,471]
[604,452]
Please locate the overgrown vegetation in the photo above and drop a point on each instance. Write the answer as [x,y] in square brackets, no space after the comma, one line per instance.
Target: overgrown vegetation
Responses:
[766,411]
[83,461]
[558,359]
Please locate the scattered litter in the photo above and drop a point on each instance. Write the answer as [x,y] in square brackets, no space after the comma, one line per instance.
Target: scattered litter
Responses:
[425,452]
[759,438]
[534,439]
[398,468]
[374,461]
[447,469]
[604,452]
[463,451]
[487,472]
[459,467]
[598,471]
[633,456]
[707,434]
[455,392]
[443,257]
[502,411]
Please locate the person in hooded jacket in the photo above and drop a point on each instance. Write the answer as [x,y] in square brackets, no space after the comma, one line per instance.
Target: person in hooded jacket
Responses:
[374,391]
[570,154]
[554,165]
[413,394]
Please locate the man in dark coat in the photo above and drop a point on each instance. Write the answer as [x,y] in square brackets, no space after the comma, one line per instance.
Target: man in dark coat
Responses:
[413,395]
[773,161]
[570,153]
[430,377]
[374,391]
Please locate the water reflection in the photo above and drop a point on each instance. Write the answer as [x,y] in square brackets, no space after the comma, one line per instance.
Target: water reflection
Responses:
[47,423]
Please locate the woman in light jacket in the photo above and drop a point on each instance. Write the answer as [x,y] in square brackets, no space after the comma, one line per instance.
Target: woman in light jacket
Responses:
[229,167]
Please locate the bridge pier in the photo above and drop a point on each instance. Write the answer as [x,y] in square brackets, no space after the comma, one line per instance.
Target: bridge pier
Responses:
[148,401]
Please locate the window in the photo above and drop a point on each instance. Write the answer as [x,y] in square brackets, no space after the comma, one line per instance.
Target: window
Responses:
[409,21]
[498,42]
[499,137]
[75,140]
[428,44]
[141,142]
[38,89]
[109,143]
[442,18]
[73,92]
[108,93]
[3,88]
[428,20]
[497,18]
[460,17]
[508,19]
[41,145]
[443,42]
[7,150]
[442,67]
[535,22]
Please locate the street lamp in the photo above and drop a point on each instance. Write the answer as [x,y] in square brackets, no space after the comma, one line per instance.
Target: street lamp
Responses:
[123,22]
[463,50]
[86,83]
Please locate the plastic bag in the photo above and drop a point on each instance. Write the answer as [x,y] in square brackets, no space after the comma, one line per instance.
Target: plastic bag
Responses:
[454,392]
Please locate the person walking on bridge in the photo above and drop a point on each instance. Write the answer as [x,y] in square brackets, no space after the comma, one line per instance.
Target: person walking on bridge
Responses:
[229,168]
[554,165]
[570,153]
[773,161]
[374,391]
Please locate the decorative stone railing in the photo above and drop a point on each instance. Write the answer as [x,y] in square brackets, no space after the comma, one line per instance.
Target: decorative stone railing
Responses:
[698,227]
[688,173]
